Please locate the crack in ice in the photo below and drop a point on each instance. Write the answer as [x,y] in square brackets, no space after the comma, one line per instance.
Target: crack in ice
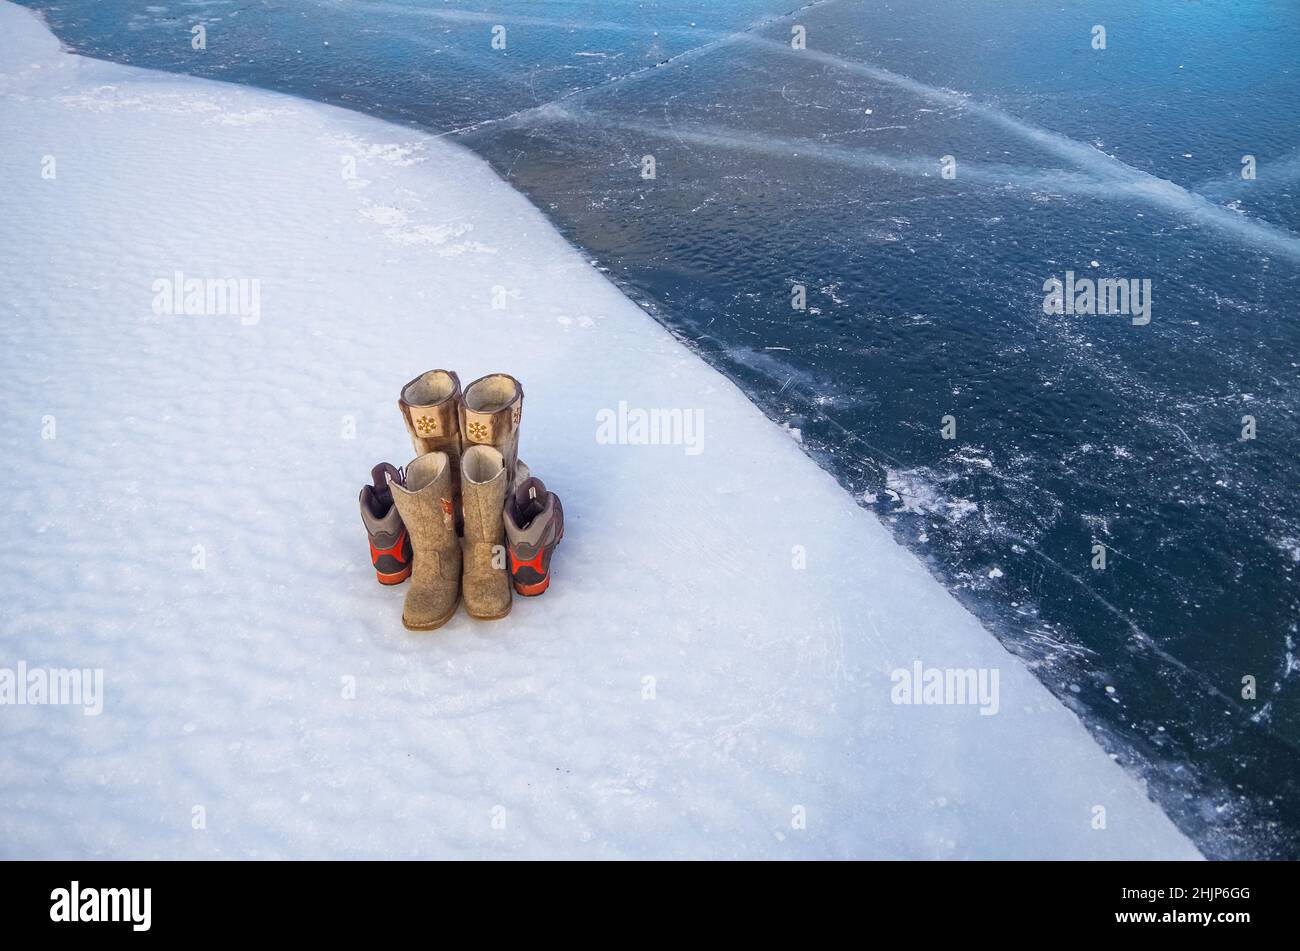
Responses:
[1115,174]
[577,94]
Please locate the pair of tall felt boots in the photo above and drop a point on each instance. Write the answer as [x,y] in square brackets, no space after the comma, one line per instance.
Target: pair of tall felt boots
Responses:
[466,480]
[442,419]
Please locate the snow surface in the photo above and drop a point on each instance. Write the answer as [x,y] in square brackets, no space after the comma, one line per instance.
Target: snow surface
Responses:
[538,735]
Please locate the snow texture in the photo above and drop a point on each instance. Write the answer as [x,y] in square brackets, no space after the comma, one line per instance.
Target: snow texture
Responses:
[191,528]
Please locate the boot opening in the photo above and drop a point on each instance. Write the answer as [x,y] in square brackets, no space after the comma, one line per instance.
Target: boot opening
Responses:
[423,470]
[429,388]
[481,464]
[527,503]
[491,393]
[377,503]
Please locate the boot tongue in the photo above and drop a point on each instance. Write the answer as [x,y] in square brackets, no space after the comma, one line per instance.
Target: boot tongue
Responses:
[528,502]
[531,490]
[380,474]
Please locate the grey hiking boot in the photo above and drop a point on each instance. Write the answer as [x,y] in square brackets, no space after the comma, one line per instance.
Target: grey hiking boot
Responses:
[534,526]
[390,547]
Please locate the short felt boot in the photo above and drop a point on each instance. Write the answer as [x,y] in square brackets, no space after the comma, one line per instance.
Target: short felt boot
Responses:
[390,547]
[484,487]
[490,413]
[430,407]
[423,497]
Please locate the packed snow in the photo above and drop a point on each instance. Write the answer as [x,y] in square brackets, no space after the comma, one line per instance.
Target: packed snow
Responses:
[719,666]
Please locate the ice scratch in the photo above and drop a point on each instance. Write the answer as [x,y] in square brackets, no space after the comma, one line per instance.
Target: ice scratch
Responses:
[1125,180]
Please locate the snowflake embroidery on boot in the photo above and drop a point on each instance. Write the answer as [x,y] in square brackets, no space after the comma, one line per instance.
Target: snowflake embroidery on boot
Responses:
[478,432]
[425,425]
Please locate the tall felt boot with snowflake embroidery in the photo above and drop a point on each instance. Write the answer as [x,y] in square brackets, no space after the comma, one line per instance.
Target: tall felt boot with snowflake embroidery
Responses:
[490,413]
[430,407]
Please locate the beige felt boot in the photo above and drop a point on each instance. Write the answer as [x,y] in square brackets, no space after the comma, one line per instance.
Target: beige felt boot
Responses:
[430,407]
[490,413]
[486,578]
[423,497]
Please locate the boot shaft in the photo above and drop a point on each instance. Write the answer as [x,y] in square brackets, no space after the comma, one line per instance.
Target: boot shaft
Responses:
[484,483]
[491,411]
[430,407]
[423,498]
